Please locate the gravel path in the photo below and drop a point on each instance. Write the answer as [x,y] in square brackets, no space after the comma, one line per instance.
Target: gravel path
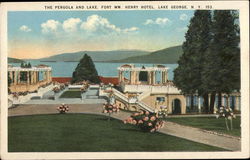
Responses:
[190,133]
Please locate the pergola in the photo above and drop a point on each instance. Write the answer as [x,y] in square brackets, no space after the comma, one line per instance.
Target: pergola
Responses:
[135,72]
[32,81]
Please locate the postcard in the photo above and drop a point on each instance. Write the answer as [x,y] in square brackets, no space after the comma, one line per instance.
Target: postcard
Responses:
[125,80]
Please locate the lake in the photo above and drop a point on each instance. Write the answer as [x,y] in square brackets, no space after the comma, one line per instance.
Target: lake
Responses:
[65,69]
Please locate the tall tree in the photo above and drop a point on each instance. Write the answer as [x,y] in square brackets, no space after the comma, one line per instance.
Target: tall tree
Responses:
[222,72]
[85,70]
[188,74]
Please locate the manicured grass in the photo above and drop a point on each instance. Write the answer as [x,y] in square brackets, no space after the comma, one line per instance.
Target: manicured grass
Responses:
[71,94]
[210,123]
[85,133]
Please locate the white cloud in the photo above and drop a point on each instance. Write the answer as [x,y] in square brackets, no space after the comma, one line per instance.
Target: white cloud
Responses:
[183,17]
[70,25]
[24,28]
[97,23]
[158,21]
[50,26]
[132,29]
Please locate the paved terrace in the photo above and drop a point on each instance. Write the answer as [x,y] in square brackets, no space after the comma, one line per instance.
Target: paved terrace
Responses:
[170,128]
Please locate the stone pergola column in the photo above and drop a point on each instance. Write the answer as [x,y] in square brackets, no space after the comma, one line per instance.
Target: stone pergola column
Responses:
[163,77]
[153,77]
[18,77]
[28,78]
[222,101]
[15,78]
[149,77]
[199,103]
[237,103]
[228,100]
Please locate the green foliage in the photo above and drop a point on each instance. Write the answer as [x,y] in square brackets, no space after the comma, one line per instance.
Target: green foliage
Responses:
[222,73]
[187,76]
[85,70]
[211,56]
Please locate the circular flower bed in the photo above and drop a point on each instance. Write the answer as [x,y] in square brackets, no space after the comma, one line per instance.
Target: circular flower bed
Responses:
[63,108]
[148,122]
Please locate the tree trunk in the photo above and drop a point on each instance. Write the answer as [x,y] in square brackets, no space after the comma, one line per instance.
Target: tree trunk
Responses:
[226,124]
[219,99]
[192,102]
[205,103]
[212,100]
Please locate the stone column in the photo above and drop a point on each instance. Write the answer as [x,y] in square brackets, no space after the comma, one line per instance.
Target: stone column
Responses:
[122,78]
[119,76]
[28,78]
[15,77]
[222,100]
[153,77]
[166,76]
[18,77]
[162,77]
[199,104]
[237,103]
[130,77]
[228,101]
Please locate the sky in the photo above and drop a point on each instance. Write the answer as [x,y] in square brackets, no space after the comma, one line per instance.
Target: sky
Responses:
[37,34]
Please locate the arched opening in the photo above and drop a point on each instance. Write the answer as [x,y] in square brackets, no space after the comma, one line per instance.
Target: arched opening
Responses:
[176,106]
[143,76]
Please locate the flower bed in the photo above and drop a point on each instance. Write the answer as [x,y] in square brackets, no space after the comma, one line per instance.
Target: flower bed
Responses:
[63,108]
[108,108]
[148,122]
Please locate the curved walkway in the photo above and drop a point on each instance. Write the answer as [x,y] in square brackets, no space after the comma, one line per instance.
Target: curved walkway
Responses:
[186,132]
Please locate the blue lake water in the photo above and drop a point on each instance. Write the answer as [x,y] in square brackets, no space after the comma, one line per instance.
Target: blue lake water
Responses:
[65,69]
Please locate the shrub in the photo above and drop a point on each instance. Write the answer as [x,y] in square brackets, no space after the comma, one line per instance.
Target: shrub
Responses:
[108,108]
[227,113]
[148,122]
[63,108]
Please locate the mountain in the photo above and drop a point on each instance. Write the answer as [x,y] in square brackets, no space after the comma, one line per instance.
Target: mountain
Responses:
[96,55]
[14,60]
[167,55]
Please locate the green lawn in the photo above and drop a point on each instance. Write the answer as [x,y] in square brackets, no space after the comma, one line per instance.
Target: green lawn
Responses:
[71,94]
[85,133]
[209,123]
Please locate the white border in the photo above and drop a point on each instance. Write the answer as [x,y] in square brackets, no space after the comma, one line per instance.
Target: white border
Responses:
[242,6]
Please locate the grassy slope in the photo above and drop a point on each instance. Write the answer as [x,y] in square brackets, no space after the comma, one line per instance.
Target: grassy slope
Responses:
[210,123]
[168,55]
[71,94]
[82,132]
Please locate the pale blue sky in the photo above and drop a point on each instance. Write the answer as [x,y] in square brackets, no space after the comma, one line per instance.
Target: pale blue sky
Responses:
[41,34]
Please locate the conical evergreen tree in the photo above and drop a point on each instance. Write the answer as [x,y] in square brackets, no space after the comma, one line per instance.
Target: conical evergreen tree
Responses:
[222,72]
[85,70]
[188,74]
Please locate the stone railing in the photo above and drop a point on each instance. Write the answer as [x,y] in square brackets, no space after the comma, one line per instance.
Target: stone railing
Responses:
[151,88]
